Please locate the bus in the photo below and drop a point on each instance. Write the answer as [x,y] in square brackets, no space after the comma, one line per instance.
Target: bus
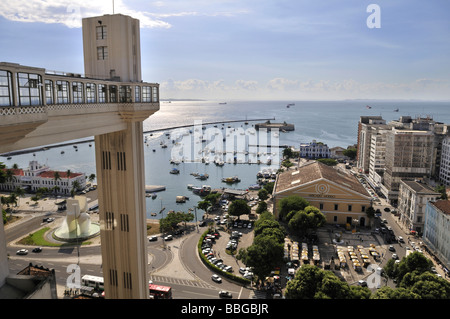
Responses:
[93,281]
[159,292]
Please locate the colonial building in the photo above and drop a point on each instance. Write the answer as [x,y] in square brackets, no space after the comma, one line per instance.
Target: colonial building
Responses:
[436,233]
[38,176]
[314,150]
[338,194]
[412,201]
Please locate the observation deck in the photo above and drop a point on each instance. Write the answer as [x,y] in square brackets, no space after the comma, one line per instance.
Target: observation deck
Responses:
[38,107]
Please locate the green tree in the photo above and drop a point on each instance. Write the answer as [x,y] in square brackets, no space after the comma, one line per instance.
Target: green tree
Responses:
[262,206]
[239,207]
[328,161]
[288,153]
[441,189]
[291,203]
[307,220]
[269,187]
[263,194]
[263,256]
[350,153]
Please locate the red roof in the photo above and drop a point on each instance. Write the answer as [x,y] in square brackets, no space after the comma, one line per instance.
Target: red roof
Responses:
[51,174]
[17,172]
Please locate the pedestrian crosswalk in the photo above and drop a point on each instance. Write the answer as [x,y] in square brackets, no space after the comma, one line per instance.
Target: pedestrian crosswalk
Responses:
[179,281]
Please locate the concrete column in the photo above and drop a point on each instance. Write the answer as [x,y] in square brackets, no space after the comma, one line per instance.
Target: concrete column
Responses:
[121,195]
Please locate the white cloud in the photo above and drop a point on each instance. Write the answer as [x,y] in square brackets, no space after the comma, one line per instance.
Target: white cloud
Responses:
[70,12]
[282,88]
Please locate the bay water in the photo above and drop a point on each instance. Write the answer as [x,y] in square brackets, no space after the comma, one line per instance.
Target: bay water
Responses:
[334,123]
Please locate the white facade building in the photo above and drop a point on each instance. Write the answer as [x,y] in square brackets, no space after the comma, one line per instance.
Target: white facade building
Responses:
[37,176]
[437,230]
[444,173]
[314,150]
[412,200]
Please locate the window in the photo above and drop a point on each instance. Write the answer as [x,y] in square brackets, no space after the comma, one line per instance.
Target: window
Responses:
[49,98]
[137,94]
[155,94]
[363,208]
[29,85]
[125,94]
[101,32]
[101,93]
[90,93]
[6,96]
[62,92]
[112,94]
[336,206]
[77,92]
[102,53]
[349,208]
[146,94]
[321,206]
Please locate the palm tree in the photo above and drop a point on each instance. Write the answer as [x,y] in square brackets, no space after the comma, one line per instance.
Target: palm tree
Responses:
[91,178]
[56,177]
[19,192]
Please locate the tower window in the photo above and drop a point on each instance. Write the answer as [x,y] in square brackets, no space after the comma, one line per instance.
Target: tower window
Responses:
[102,53]
[101,32]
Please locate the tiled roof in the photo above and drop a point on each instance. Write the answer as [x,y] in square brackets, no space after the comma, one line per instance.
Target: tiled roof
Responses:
[51,174]
[313,171]
[443,206]
[419,187]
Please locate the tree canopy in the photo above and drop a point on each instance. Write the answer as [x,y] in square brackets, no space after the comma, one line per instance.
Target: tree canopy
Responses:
[291,203]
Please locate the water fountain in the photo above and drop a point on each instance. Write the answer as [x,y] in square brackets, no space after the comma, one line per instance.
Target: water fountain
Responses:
[77,224]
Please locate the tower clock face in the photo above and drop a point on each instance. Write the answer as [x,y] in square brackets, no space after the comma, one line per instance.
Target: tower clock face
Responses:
[322,188]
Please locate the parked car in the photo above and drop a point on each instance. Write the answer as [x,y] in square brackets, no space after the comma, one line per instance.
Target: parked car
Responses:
[216,278]
[153,238]
[168,237]
[37,250]
[400,239]
[391,248]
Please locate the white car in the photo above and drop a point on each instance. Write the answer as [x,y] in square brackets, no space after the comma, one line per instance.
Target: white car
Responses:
[216,278]
[22,252]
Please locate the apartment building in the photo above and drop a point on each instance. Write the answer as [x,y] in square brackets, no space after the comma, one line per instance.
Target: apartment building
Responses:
[444,169]
[367,126]
[412,200]
[436,233]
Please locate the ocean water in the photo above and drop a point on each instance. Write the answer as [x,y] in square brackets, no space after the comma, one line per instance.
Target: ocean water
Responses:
[334,123]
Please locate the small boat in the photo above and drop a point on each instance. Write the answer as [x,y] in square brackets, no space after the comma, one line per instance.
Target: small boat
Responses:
[174,171]
[290,104]
[231,180]
[254,187]
[222,103]
[154,195]
[62,152]
[153,214]
[396,110]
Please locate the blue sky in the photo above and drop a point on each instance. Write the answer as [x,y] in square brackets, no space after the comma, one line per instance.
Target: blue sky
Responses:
[253,49]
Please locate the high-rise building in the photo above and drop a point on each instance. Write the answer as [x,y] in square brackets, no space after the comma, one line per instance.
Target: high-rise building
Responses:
[408,156]
[367,126]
